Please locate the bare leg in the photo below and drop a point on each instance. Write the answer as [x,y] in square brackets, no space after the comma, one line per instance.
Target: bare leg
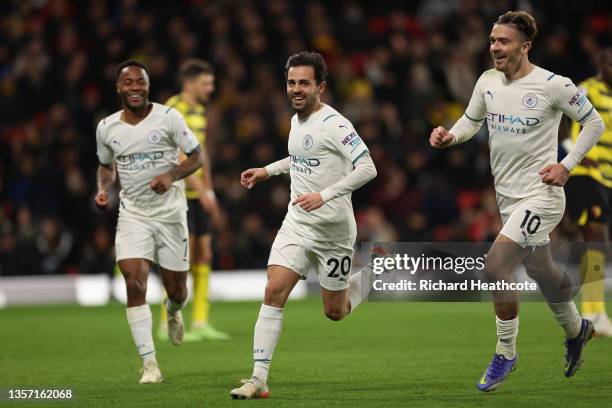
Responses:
[556,288]
[136,272]
[336,303]
[502,259]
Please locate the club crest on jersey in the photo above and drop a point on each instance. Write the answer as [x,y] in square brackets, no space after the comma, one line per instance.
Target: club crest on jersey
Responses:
[154,137]
[308,142]
[530,100]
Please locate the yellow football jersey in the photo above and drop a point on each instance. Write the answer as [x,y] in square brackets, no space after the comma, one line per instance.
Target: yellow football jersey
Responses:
[195,117]
[600,95]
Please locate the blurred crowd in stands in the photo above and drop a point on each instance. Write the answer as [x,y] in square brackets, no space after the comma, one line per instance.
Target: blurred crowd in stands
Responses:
[397,69]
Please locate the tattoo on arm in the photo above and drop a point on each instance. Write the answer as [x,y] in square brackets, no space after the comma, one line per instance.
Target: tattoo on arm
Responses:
[106,176]
[188,166]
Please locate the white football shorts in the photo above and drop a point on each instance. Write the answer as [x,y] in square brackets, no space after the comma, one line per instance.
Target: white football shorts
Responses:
[163,243]
[529,221]
[330,260]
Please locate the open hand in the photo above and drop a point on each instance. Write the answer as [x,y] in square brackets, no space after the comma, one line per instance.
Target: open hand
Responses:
[250,177]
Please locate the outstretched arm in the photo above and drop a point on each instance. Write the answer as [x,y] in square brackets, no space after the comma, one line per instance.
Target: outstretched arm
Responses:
[278,167]
[250,177]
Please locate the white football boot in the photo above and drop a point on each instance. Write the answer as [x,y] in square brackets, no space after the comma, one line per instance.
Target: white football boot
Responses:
[602,323]
[150,372]
[250,389]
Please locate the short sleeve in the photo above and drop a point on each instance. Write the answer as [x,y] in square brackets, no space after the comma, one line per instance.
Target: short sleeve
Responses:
[182,136]
[105,154]
[344,138]
[570,99]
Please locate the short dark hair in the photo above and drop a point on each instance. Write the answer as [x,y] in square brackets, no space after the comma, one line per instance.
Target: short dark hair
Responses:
[193,67]
[309,59]
[130,63]
[523,21]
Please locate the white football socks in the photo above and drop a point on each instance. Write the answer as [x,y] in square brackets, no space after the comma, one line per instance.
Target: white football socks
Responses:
[507,331]
[265,338]
[357,283]
[568,318]
[141,324]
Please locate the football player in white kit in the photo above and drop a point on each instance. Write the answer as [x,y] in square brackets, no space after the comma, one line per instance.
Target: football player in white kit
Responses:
[141,144]
[522,105]
[327,161]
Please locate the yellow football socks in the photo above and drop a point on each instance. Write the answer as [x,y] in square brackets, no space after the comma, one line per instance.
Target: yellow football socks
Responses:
[201,273]
[592,267]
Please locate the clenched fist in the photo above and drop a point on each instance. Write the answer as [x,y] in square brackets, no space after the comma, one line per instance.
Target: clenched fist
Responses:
[161,184]
[440,138]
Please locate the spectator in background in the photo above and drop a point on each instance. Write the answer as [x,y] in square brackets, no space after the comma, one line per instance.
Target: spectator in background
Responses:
[393,68]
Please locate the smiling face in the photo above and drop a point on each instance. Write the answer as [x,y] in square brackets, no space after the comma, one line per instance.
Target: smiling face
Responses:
[509,48]
[303,90]
[133,88]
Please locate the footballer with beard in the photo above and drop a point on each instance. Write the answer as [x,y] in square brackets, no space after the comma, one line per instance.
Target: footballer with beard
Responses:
[327,161]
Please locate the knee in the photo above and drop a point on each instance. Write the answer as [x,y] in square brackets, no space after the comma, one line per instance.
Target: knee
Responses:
[494,271]
[179,295]
[202,258]
[334,314]
[535,271]
[136,287]
[177,292]
[275,295]
[205,258]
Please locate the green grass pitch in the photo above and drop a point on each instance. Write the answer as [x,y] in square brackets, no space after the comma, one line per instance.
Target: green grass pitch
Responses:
[385,354]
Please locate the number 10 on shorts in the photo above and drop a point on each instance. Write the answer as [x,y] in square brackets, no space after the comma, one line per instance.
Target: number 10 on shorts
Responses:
[532,222]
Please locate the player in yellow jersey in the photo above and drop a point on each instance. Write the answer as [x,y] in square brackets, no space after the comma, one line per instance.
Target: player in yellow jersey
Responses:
[197,83]
[589,198]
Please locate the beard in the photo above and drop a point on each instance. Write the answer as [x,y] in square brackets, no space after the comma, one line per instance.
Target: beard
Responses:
[309,101]
[125,101]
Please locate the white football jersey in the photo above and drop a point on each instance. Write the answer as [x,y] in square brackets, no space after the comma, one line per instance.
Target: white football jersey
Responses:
[142,152]
[523,119]
[322,150]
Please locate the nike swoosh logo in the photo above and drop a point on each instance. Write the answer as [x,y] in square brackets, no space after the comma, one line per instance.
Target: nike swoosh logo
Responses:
[483,379]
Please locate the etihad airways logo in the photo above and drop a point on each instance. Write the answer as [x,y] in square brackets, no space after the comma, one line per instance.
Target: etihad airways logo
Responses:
[139,161]
[501,122]
[303,164]
[511,119]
